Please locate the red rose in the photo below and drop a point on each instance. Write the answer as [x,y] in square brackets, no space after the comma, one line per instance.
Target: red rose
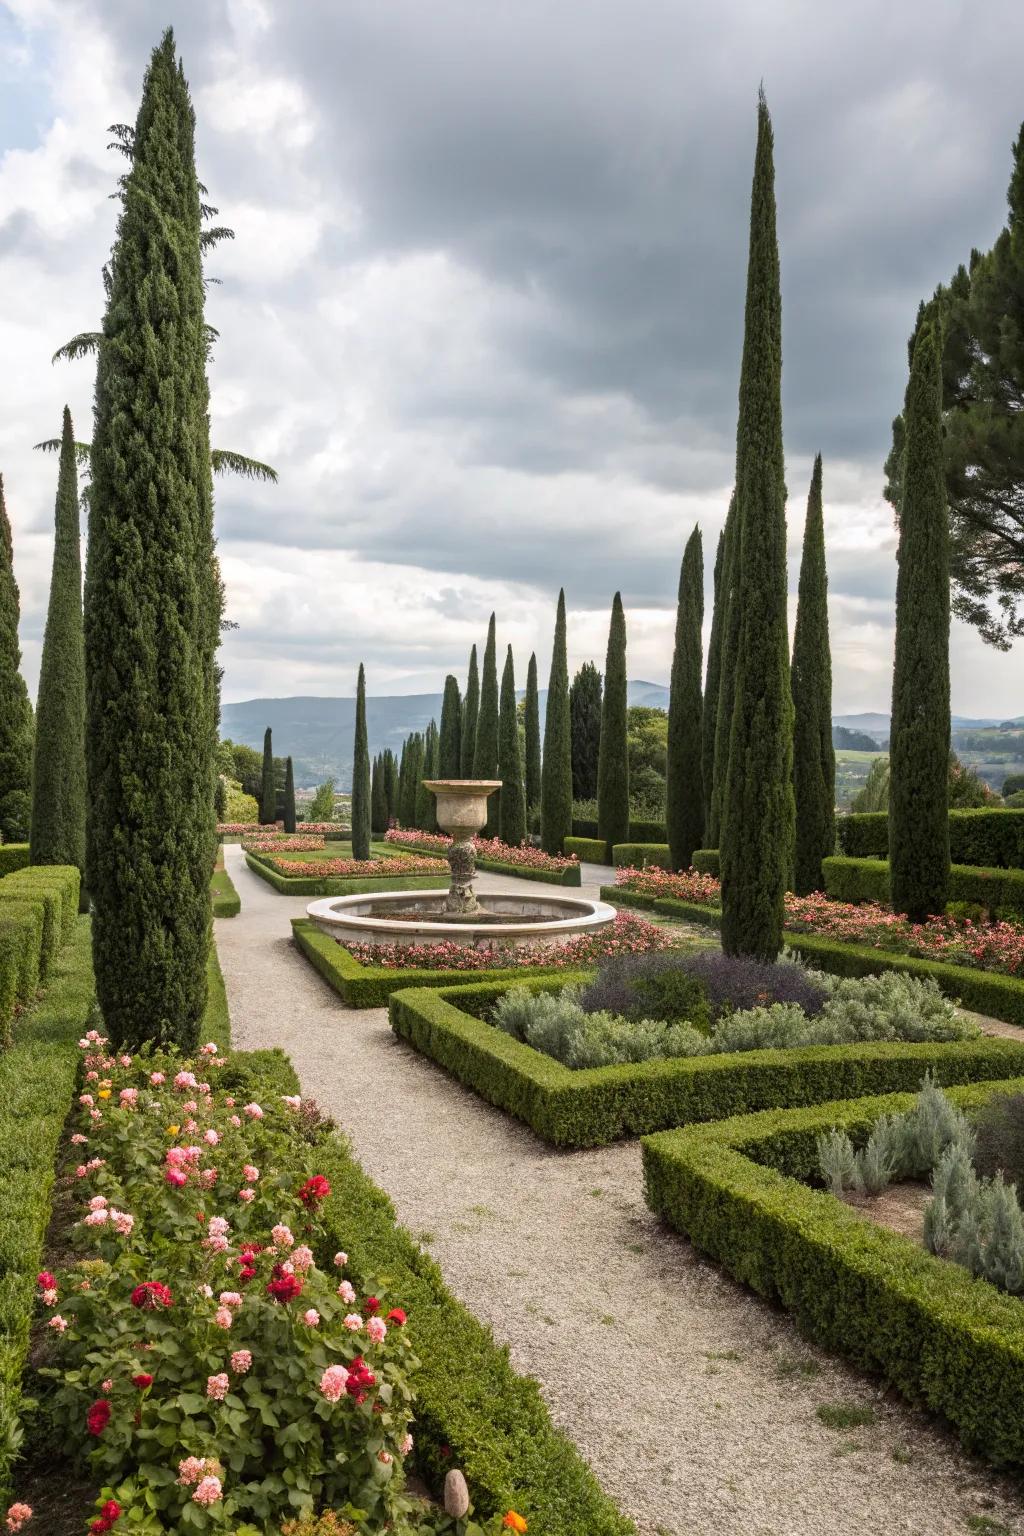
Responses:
[314,1190]
[46,1281]
[397,1316]
[110,1513]
[283,1286]
[98,1416]
[372,1305]
[150,1295]
[142,1381]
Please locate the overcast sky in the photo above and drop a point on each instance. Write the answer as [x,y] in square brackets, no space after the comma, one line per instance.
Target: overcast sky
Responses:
[483,310]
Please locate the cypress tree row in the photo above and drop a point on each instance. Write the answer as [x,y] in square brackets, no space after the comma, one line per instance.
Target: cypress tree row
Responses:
[378,798]
[361,775]
[58,769]
[402,782]
[15,709]
[289,796]
[585,725]
[613,754]
[556,767]
[391,778]
[920,725]
[511,797]
[449,752]
[152,598]
[757,817]
[711,686]
[485,753]
[413,774]
[268,789]
[730,639]
[531,723]
[814,759]
[470,713]
[426,806]
[684,786]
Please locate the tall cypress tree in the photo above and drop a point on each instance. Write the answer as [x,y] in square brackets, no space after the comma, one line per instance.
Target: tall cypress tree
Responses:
[710,712]
[402,782]
[470,713]
[729,643]
[485,753]
[512,796]
[757,818]
[613,754]
[426,806]
[920,725]
[58,769]
[378,797]
[531,723]
[15,709]
[556,767]
[449,753]
[361,775]
[814,759]
[268,789]
[413,774]
[585,725]
[684,787]
[391,777]
[289,796]
[152,596]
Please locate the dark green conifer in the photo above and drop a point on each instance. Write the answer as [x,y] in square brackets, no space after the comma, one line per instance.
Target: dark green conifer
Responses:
[361,775]
[470,714]
[15,709]
[757,815]
[58,769]
[413,774]
[920,724]
[426,806]
[378,798]
[684,782]
[556,767]
[814,759]
[391,777]
[710,712]
[585,724]
[449,754]
[511,797]
[613,754]
[268,788]
[289,796]
[730,639]
[531,726]
[152,597]
[485,753]
[402,781]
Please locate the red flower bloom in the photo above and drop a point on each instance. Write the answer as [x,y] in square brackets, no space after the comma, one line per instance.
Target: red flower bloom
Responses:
[372,1305]
[283,1286]
[98,1416]
[142,1381]
[46,1281]
[110,1513]
[314,1190]
[150,1295]
[360,1379]
[398,1316]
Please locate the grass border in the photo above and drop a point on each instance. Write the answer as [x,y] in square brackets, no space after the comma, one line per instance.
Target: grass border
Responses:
[224,899]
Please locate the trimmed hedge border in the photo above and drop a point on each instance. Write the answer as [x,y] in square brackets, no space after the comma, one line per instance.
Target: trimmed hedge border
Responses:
[592,849]
[639,855]
[339,885]
[38,914]
[13,856]
[949,1342]
[598,1105]
[990,838]
[225,899]
[707,861]
[639,831]
[370,986]
[996,889]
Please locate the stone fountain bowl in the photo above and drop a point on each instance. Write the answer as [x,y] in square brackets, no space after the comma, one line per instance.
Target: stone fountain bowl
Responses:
[418,917]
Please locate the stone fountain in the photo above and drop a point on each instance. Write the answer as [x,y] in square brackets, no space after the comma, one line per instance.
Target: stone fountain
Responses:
[459,915]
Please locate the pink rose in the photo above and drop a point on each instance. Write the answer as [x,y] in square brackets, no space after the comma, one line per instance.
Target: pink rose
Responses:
[247,1195]
[57,1322]
[353,1322]
[208,1491]
[250,1174]
[241,1360]
[377,1329]
[341,1259]
[347,1292]
[217,1386]
[222,1317]
[312,1317]
[332,1382]
[157,1079]
[282,1236]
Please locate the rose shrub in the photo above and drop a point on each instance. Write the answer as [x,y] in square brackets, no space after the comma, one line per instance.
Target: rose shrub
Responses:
[325,869]
[628,934]
[282,842]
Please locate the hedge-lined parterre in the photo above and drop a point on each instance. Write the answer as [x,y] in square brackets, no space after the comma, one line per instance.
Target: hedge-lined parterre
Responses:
[13,856]
[639,855]
[38,914]
[991,838]
[338,885]
[996,889]
[592,849]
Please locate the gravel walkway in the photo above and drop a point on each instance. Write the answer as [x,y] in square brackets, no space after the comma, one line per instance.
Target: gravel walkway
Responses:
[694,1402]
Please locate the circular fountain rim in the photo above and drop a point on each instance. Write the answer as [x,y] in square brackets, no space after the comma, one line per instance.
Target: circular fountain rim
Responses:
[335,911]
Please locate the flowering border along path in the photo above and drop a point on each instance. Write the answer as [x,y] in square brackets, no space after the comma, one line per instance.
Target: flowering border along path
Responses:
[524,862]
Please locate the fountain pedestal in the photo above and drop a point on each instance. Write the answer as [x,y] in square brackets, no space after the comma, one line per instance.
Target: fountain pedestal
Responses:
[462,812]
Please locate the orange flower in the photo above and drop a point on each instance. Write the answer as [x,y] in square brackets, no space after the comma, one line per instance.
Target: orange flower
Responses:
[514,1522]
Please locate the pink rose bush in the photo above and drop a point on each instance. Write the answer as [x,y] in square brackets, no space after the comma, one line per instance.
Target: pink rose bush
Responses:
[194,1330]
[283,842]
[524,856]
[628,935]
[328,869]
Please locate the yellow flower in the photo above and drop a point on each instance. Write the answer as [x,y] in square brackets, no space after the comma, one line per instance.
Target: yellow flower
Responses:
[172,1130]
[514,1522]
[104,1093]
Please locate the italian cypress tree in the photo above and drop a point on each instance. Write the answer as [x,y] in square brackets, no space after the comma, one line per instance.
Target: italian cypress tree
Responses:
[402,781]
[152,595]
[390,787]
[289,796]
[684,786]
[470,712]
[757,818]
[378,797]
[531,723]
[426,806]
[814,759]
[449,753]
[920,725]
[268,789]
[361,775]
[58,770]
[15,709]
[485,753]
[613,754]
[710,713]
[585,725]
[556,767]
[729,643]
[511,797]
[413,774]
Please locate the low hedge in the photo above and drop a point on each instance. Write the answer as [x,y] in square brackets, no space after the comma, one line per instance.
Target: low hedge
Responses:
[948,1342]
[707,861]
[598,1105]
[340,885]
[639,831]
[13,856]
[38,913]
[592,849]
[992,838]
[998,890]
[225,899]
[370,986]
[568,876]
[639,855]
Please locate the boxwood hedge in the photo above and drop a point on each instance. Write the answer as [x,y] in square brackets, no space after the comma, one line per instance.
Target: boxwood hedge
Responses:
[592,849]
[998,890]
[948,1342]
[993,838]
[707,861]
[639,855]
[38,914]
[13,856]
[340,885]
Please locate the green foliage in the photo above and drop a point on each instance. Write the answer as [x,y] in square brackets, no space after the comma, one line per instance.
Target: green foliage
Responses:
[425,804]
[966,789]
[321,807]
[470,716]
[361,775]
[289,796]
[1013,784]
[240,807]
[58,769]
[449,754]
[647,754]
[709,718]
[999,1144]
[338,885]
[639,855]
[391,783]
[873,796]
[613,757]
[531,743]
[485,751]
[13,856]
[556,768]
[706,861]
[268,789]
[902,1146]
[757,806]
[585,730]
[593,849]
[684,778]
[378,798]
[220,799]
[225,899]
[511,797]
[556,1025]
[993,890]
[729,640]
[992,837]
[814,760]
[15,709]
[919,746]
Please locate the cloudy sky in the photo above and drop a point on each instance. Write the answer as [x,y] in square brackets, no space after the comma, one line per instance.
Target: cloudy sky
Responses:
[483,310]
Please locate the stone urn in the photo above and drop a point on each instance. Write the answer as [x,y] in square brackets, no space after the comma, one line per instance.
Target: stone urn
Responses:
[462,812]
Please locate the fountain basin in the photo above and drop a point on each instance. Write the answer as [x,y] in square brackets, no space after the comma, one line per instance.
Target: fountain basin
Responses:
[419,917]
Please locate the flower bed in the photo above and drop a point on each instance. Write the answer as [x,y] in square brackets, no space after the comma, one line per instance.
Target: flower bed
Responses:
[282,842]
[333,869]
[498,857]
[628,935]
[294,877]
[246,828]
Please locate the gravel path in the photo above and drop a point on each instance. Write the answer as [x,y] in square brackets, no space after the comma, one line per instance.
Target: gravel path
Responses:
[694,1402]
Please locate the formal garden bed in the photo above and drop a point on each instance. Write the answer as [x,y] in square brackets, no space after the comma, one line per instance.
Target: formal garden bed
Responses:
[301,872]
[744,1191]
[495,856]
